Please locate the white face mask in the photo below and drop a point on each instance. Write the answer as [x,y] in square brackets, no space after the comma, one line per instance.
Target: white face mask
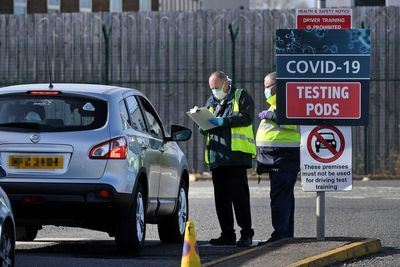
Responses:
[219,93]
[267,92]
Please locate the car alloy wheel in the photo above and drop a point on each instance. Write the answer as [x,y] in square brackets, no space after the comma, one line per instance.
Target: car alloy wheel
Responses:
[7,247]
[182,215]
[140,216]
[171,229]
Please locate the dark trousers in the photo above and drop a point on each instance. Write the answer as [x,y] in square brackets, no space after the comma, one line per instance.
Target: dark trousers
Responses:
[282,203]
[231,187]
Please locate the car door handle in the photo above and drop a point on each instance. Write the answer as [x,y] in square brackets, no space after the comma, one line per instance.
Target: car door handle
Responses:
[144,147]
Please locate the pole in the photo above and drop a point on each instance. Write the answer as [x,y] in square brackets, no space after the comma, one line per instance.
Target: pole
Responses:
[106,35]
[366,151]
[320,211]
[321,3]
[233,30]
[320,200]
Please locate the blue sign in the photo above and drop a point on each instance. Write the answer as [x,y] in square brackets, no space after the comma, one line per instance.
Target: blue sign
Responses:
[322,56]
[323,66]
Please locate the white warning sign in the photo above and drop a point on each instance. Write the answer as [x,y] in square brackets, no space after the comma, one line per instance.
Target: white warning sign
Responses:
[326,158]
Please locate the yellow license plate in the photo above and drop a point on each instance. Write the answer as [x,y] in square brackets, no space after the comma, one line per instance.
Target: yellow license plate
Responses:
[35,162]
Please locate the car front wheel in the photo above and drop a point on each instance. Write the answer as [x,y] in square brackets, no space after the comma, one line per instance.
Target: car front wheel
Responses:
[7,246]
[172,229]
[130,232]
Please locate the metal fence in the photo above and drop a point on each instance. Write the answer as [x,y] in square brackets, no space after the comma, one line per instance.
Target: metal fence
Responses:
[169,56]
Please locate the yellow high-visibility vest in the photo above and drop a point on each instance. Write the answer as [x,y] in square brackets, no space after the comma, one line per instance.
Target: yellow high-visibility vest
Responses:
[270,134]
[242,138]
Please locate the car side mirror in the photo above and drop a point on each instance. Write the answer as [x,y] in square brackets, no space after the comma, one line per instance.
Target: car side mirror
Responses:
[179,133]
[2,172]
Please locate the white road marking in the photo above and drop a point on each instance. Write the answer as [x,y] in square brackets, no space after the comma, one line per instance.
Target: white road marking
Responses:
[391,198]
[58,239]
[255,243]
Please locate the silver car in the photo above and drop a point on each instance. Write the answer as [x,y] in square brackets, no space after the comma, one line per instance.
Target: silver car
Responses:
[7,229]
[92,156]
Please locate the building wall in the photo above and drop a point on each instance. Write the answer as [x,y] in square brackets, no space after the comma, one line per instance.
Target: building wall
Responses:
[392,3]
[351,3]
[130,5]
[100,5]
[339,3]
[37,6]
[179,5]
[6,6]
[225,4]
[155,5]
[40,6]
[69,6]
[369,2]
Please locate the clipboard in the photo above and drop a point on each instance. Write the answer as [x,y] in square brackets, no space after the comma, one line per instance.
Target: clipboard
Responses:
[201,117]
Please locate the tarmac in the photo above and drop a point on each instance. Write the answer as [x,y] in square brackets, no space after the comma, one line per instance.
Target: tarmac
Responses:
[206,176]
[296,252]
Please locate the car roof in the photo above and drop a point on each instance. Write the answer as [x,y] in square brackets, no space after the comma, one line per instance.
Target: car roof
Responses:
[69,88]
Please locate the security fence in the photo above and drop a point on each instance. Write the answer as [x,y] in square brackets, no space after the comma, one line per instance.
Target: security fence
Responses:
[169,56]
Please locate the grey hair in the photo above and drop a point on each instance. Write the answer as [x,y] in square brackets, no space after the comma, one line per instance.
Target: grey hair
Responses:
[271,76]
[220,75]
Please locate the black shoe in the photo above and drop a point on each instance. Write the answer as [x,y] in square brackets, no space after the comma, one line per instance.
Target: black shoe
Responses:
[270,240]
[223,241]
[245,241]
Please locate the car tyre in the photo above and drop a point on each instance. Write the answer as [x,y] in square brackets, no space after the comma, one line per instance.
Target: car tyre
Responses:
[26,233]
[172,229]
[130,232]
[7,246]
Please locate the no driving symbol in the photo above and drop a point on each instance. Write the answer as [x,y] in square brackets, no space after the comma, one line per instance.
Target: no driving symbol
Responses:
[325,158]
[329,138]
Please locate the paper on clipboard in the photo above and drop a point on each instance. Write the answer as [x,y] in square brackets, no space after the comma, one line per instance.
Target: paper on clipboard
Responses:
[201,117]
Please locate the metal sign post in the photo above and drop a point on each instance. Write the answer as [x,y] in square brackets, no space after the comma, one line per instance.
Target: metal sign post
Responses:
[320,200]
[320,212]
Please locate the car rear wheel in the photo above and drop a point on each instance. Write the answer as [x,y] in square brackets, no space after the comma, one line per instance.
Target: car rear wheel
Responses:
[130,233]
[26,233]
[7,246]
[172,230]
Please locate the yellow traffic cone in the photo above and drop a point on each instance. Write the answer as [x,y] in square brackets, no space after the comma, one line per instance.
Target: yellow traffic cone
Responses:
[190,252]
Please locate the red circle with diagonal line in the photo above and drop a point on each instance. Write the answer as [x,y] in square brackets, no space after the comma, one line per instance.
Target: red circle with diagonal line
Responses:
[336,154]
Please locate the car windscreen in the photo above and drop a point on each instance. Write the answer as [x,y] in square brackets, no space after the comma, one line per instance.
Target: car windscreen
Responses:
[51,113]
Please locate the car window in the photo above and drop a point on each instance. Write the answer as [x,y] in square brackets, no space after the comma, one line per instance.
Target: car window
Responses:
[123,112]
[154,125]
[135,115]
[51,113]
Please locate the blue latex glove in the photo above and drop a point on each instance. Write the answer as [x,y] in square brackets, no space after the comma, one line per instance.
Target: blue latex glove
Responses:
[267,115]
[217,121]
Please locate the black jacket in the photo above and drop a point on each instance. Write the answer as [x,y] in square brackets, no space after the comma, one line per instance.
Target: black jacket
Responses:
[220,137]
[282,159]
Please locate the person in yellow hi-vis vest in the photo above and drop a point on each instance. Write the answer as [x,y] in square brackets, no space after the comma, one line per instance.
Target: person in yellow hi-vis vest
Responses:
[230,148]
[278,153]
